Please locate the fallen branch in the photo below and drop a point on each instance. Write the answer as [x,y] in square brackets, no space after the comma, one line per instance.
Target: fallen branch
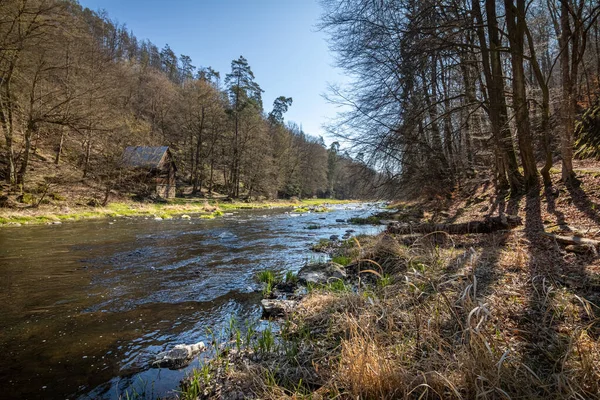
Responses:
[488,225]
[574,240]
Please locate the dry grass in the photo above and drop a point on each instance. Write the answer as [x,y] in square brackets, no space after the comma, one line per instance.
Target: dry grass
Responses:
[462,320]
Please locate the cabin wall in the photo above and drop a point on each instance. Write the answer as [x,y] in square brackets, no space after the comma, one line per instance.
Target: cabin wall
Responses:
[166,182]
[166,191]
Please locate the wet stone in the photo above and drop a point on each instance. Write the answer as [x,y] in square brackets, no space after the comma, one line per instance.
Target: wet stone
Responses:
[277,308]
[179,356]
[320,273]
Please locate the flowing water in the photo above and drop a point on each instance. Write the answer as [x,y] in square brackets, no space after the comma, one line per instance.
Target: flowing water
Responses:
[85,305]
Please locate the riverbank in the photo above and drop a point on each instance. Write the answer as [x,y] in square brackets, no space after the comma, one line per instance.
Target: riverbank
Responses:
[512,313]
[206,209]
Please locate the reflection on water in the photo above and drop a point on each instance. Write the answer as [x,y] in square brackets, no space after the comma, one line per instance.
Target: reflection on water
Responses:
[84,306]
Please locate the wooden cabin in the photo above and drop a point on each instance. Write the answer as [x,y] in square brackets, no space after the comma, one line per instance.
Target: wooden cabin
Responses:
[155,168]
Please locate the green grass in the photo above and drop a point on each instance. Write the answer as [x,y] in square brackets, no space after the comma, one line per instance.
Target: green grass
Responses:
[342,260]
[166,211]
[291,277]
[301,209]
[270,279]
[321,245]
[372,220]
[266,340]
[337,286]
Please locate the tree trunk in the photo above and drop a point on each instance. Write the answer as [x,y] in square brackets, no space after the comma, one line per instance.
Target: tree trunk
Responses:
[197,170]
[466,65]
[210,182]
[60,146]
[545,125]
[88,150]
[6,119]
[498,100]
[29,131]
[568,109]
[507,172]
[515,21]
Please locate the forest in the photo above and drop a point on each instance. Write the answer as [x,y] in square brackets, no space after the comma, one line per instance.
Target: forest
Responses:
[447,90]
[77,88]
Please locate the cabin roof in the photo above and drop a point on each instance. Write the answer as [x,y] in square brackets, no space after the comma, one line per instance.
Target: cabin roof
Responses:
[144,156]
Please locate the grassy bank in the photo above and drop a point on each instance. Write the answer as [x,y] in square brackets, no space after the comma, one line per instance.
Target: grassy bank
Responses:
[503,315]
[178,207]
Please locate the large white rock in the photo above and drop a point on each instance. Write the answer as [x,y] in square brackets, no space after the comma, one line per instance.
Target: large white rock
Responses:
[321,273]
[179,356]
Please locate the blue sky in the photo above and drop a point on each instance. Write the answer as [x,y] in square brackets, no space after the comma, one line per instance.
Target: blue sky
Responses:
[287,54]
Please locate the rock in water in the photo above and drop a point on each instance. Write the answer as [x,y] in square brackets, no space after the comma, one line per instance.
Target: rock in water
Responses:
[179,356]
[277,308]
[320,273]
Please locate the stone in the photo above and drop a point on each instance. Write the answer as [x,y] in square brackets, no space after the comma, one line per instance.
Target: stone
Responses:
[277,308]
[179,356]
[158,219]
[334,237]
[185,216]
[340,220]
[320,273]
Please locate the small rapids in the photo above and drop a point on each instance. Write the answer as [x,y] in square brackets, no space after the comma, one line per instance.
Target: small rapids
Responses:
[84,306]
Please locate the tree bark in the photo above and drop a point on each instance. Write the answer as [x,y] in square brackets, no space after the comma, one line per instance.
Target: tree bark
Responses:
[199,142]
[568,103]
[498,100]
[507,172]
[515,21]
[545,125]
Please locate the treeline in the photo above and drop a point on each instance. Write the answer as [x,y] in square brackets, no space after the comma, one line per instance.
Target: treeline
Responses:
[448,89]
[74,82]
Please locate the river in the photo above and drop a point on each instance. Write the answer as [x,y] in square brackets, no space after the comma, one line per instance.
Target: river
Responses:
[85,305]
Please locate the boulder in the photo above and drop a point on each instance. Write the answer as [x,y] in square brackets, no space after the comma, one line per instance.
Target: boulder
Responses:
[320,273]
[277,308]
[334,237]
[179,356]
